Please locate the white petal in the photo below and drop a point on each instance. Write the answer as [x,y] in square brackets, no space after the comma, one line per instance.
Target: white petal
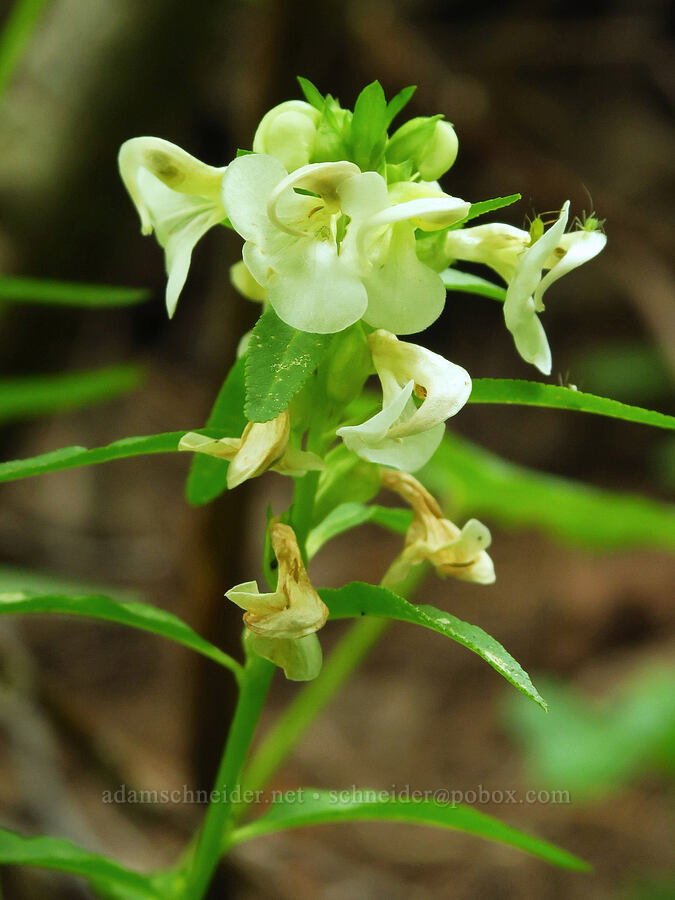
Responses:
[496,245]
[247,187]
[362,196]
[580,247]
[173,167]
[404,295]
[519,307]
[300,658]
[314,289]
[446,386]
[373,430]
[428,213]
[222,448]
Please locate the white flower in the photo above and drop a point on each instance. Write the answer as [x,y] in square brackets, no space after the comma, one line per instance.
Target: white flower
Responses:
[330,248]
[520,262]
[403,435]
[432,538]
[177,196]
[284,622]
[262,446]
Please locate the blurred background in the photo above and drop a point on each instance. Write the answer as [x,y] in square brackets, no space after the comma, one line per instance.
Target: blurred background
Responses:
[554,100]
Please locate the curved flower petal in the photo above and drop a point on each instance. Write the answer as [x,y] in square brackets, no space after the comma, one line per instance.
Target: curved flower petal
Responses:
[427,213]
[176,195]
[496,245]
[300,658]
[313,290]
[579,247]
[444,386]
[520,312]
[246,189]
[404,295]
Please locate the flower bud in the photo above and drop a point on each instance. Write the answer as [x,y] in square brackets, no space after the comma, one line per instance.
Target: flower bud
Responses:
[287,132]
[245,283]
[429,142]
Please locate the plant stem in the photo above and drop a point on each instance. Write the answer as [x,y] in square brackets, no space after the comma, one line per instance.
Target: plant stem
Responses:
[296,719]
[254,683]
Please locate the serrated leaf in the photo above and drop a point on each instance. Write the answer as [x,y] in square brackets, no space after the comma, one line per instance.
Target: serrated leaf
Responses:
[280,359]
[24,397]
[369,127]
[66,293]
[312,94]
[398,102]
[61,855]
[350,515]
[454,280]
[130,613]
[310,806]
[358,599]
[535,393]
[208,475]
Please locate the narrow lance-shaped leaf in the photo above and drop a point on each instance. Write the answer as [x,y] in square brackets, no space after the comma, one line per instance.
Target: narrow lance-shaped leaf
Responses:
[130,613]
[68,293]
[312,94]
[61,855]
[318,807]
[358,599]
[280,359]
[398,102]
[208,475]
[369,126]
[465,282]
[22,397]
[472,481]
[485,206]
[534,393]
[350,515]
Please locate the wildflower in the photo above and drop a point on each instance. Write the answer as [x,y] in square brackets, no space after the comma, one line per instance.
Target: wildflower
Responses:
[520,257]
[330,247]
[430,537]
[402,434]
[175,195]
[283,623]
[262,446]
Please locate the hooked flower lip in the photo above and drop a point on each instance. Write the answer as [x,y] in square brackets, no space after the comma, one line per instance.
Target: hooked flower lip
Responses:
[340,249]
[175,195]
[460,553]
[521,262]
[403,435]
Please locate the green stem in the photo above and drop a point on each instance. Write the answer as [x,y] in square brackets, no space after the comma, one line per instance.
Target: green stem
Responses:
[350,651]
[254,684]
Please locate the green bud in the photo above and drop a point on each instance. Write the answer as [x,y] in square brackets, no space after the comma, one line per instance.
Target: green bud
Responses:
[288,132]
[429,142]
[348,365]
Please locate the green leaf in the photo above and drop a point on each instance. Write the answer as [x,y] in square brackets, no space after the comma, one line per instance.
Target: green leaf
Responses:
[534,393]
[280,359]
[486,206]
[369,127]
[61,855]
[23,397]
[18,27]
[351,515]
[473,481]
[208,475]
[131,613]
[66,293]
[454,280]
[358,599]
[316,807]
[312,94]
[397,103]
[72,457]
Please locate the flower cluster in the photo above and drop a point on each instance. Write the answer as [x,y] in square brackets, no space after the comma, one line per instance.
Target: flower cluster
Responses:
[346,230]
